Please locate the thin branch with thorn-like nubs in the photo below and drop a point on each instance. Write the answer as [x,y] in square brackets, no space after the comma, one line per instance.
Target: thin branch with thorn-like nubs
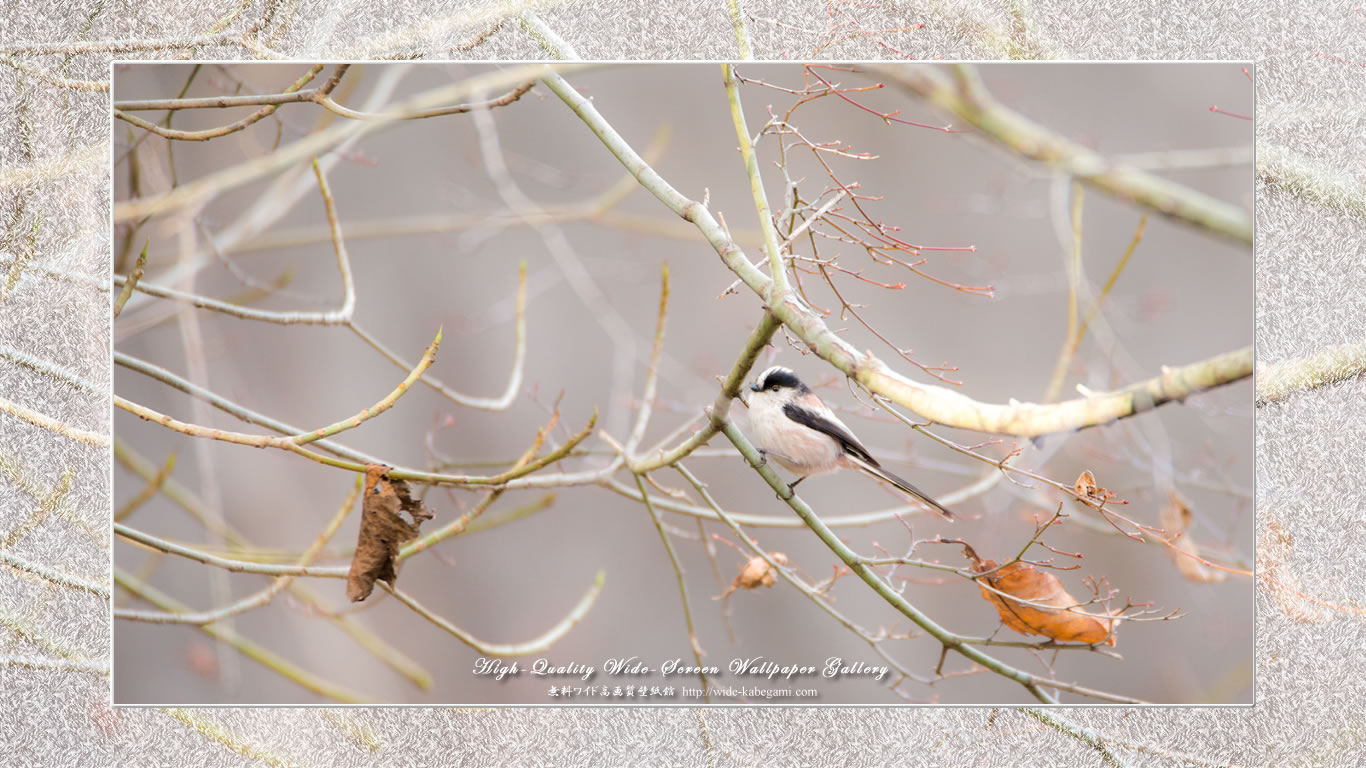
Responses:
[54,577]
[53,425]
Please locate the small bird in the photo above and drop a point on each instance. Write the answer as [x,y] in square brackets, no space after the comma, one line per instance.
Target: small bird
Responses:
[791,424]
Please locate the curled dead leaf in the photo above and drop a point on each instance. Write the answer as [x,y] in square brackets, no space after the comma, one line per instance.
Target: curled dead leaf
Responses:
[1047,612]
[1276,548]
[383,530]
[1176,521]
[1090,493]
[756,572]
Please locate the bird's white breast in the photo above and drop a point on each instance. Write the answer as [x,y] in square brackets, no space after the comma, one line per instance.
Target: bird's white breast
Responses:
[795,447]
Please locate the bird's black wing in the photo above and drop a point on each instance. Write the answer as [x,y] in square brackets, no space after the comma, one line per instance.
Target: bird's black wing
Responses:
[809,418]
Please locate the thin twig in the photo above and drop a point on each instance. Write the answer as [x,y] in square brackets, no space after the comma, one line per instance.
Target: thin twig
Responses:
[261,598]
[531,647]
[682,589]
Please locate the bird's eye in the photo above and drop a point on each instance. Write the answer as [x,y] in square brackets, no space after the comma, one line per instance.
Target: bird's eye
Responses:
[774,387]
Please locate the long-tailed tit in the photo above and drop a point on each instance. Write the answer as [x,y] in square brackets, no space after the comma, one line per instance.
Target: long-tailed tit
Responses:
[792,425]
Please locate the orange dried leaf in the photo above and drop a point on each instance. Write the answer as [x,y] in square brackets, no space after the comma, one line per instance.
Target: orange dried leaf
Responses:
[382,530]
[1276,548]
[756,572]
[1087,489]
[1046,613]
[1176,521]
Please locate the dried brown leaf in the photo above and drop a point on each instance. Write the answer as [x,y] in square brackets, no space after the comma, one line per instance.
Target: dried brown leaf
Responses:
[1176,521]
[1090,493]
[756,572]
[383,530]
[1048,614]
[1276,546]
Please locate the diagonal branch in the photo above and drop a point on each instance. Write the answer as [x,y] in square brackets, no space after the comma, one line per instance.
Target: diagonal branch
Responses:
[864,571]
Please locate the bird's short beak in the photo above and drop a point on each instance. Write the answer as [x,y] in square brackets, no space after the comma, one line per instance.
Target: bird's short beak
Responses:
[753,387]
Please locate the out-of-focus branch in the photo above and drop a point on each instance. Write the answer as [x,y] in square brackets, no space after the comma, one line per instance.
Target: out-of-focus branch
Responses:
[601,209]
[647,397]
[54,577]
[251,650]
[291,442]
[1311,179]
[514,386]
[966,97]
[1278,381]
[531,647]
[730,389]
[204,189]
[548,39]
[148,491]
[938,404]
[740,24]
[189,501]
[52,425]
[262,597]
[1087,735]
[290,93]
[340,316]
[682,587]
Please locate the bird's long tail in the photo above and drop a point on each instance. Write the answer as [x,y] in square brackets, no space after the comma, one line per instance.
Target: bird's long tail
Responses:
[877,471]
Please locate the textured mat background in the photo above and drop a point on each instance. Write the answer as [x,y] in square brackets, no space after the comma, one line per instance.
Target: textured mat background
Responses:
[1311,84]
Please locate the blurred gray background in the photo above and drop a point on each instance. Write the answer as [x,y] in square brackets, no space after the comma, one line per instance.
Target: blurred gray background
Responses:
[1183,297]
